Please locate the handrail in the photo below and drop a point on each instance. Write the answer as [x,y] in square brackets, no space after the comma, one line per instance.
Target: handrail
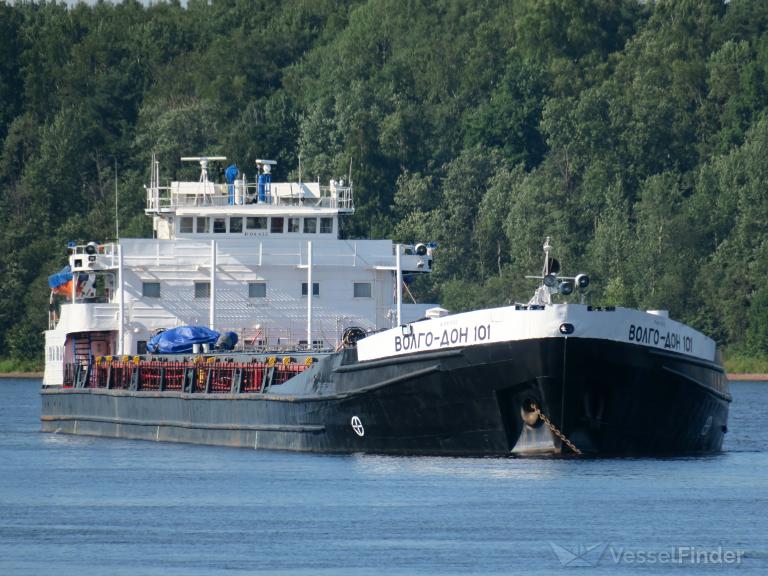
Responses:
[185,374]
[217,195]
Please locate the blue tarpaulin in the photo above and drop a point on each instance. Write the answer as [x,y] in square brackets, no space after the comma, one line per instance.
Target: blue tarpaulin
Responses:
[60,278]
[180,340]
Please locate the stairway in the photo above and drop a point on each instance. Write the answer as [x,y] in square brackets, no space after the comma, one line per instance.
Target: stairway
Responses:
[81,352]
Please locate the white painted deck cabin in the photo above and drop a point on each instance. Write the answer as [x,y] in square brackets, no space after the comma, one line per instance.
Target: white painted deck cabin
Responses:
[236,256]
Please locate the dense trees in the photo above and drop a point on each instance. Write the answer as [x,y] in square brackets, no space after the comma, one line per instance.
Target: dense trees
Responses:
[633,133]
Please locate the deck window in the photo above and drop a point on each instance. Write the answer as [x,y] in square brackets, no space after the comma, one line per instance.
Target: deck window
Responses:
[219,225]
[202,225]
[276,225]
[150,289]
[362,290]
[257,290]
[202,289]
[293,224]
[186,225]
[315,289]
[235,225]
[310,225]
[256,223]
[326,225]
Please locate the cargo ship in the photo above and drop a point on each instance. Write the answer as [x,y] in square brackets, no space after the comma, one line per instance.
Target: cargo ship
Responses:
[248,320]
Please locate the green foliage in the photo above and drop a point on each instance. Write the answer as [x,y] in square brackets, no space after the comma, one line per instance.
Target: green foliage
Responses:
[633,133]
[21,339]
[8,365]
[738,361]
[757,324]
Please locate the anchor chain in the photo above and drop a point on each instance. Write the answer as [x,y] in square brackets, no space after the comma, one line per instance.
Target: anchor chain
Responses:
[555,430]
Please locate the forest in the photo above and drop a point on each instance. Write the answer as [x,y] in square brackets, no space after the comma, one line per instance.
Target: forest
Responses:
[634,133]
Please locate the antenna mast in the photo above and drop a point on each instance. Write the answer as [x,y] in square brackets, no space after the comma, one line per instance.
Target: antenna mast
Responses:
[117,218]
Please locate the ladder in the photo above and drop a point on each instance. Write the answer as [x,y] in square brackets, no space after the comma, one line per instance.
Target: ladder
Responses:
[82,358]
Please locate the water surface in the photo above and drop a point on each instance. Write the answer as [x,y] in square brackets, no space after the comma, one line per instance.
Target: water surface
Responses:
[91,506]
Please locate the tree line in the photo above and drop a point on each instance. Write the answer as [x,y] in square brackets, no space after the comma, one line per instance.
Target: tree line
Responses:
[633,133]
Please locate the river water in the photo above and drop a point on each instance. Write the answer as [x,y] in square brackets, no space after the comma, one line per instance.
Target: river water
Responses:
[93,506]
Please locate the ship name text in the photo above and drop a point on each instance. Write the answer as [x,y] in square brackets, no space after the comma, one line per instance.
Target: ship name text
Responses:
[446,338]
[668,340]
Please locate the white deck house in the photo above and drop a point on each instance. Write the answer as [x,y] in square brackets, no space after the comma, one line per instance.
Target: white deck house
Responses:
[236,256]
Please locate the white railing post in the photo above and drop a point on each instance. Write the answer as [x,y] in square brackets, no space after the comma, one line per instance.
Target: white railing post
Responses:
[120,303]
[309,295]
[399,280]
[212,314]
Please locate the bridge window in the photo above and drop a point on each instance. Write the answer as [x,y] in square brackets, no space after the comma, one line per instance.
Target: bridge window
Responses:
[326,225]
[257,290]
[235,225]
[256,223]
[150,289]
[219,225]
[202,225]
[315,289]
[276,225]
[362,289]
[202,289]
[293,224]
[186,225]
[310,225]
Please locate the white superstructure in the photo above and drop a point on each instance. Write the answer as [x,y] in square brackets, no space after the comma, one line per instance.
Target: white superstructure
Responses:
[258,258]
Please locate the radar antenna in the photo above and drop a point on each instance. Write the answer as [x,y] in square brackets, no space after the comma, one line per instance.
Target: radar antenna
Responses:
[265,165]
[203,160]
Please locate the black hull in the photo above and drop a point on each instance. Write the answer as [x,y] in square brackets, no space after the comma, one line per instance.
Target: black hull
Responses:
[607,397]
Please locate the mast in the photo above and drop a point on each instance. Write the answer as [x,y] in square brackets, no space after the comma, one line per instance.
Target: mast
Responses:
[117,218]
[399,280]
[309,295]
[212,313]
[120,303]
[552,283]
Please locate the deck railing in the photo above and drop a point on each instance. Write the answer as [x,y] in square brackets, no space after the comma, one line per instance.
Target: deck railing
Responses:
[163,198]
[194,375]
